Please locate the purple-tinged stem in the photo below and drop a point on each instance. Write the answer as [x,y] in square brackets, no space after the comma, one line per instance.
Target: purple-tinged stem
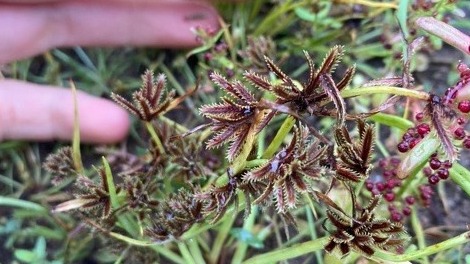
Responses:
[446,32]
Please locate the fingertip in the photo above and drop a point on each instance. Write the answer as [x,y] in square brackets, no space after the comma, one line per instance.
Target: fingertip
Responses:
[102,121]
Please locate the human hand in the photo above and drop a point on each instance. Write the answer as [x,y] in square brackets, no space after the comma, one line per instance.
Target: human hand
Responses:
[28,27]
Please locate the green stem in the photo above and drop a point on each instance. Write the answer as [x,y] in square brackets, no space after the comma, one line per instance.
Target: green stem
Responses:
[289,252]
[416,224]
[240,252]
[155,137]
[185,253]
[255,163]
[285,128]
[124,220]
[222,234]
[385,90]
[460,175]
[195,250]
[392,121]
[239,162]
[433,249]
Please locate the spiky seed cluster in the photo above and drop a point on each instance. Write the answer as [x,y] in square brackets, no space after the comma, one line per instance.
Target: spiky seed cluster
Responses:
[147,101]
[60,165]
[354,158]
[232,120]
[313,93]
[176,215]
[361,233]
[94,196]
[289,171]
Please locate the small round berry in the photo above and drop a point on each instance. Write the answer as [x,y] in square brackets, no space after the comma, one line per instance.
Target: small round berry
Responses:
[407,210]
[403,147]
[434,163]
[410,200]
[464,106]
[459,133]
[447,164]
[433,179]
[423,129]
[383,163]
[427,171]
[395,161]
[413,143]
[380,186]
[389,197]
[466,143]
[443,174]
[369,186]
[460,121]
[419,116]
[396,217]
[390,184]
[387,174]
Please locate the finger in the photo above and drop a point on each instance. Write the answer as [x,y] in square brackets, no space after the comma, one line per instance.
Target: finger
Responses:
[28,29]
[35,112]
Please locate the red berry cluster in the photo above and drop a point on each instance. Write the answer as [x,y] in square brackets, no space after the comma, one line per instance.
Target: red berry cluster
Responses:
[385,186]
[396,215]
[413,135]
[437,170]
[425,192]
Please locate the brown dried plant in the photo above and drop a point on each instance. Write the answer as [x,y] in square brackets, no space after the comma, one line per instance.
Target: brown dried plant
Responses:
[234,118]
[354,157]
[175,216]
[60,165]
[148,102]
[290,171]
[311,95]
[90,197]
[363,232]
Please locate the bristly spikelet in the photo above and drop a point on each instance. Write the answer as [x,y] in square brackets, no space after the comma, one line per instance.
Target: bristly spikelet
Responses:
[60,165]
[290,171]
[354,157]
[234,118]
[176,215]
[362,233]
[311,95]
[147,101]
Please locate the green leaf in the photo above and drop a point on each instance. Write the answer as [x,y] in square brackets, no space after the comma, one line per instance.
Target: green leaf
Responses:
[247,237]
[40,248]
[13,202]
[305,14]
[25,255]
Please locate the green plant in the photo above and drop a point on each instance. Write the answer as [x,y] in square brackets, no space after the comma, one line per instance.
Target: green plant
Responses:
[178,195]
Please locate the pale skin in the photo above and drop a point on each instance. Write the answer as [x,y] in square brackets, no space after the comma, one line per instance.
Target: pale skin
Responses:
[29,27]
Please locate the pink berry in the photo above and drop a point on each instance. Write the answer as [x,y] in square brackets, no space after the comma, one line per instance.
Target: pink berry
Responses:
[403,147]
[434,163]
[447,164]
[427,171]
[419,116]
[464,106]
[410,200]
[396,217]
[407,210]
[443,174]
[459,133]
[423,129]
[413,143]
[389,197]
[466,143]
[369,186]
[433,179]
[380,186]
